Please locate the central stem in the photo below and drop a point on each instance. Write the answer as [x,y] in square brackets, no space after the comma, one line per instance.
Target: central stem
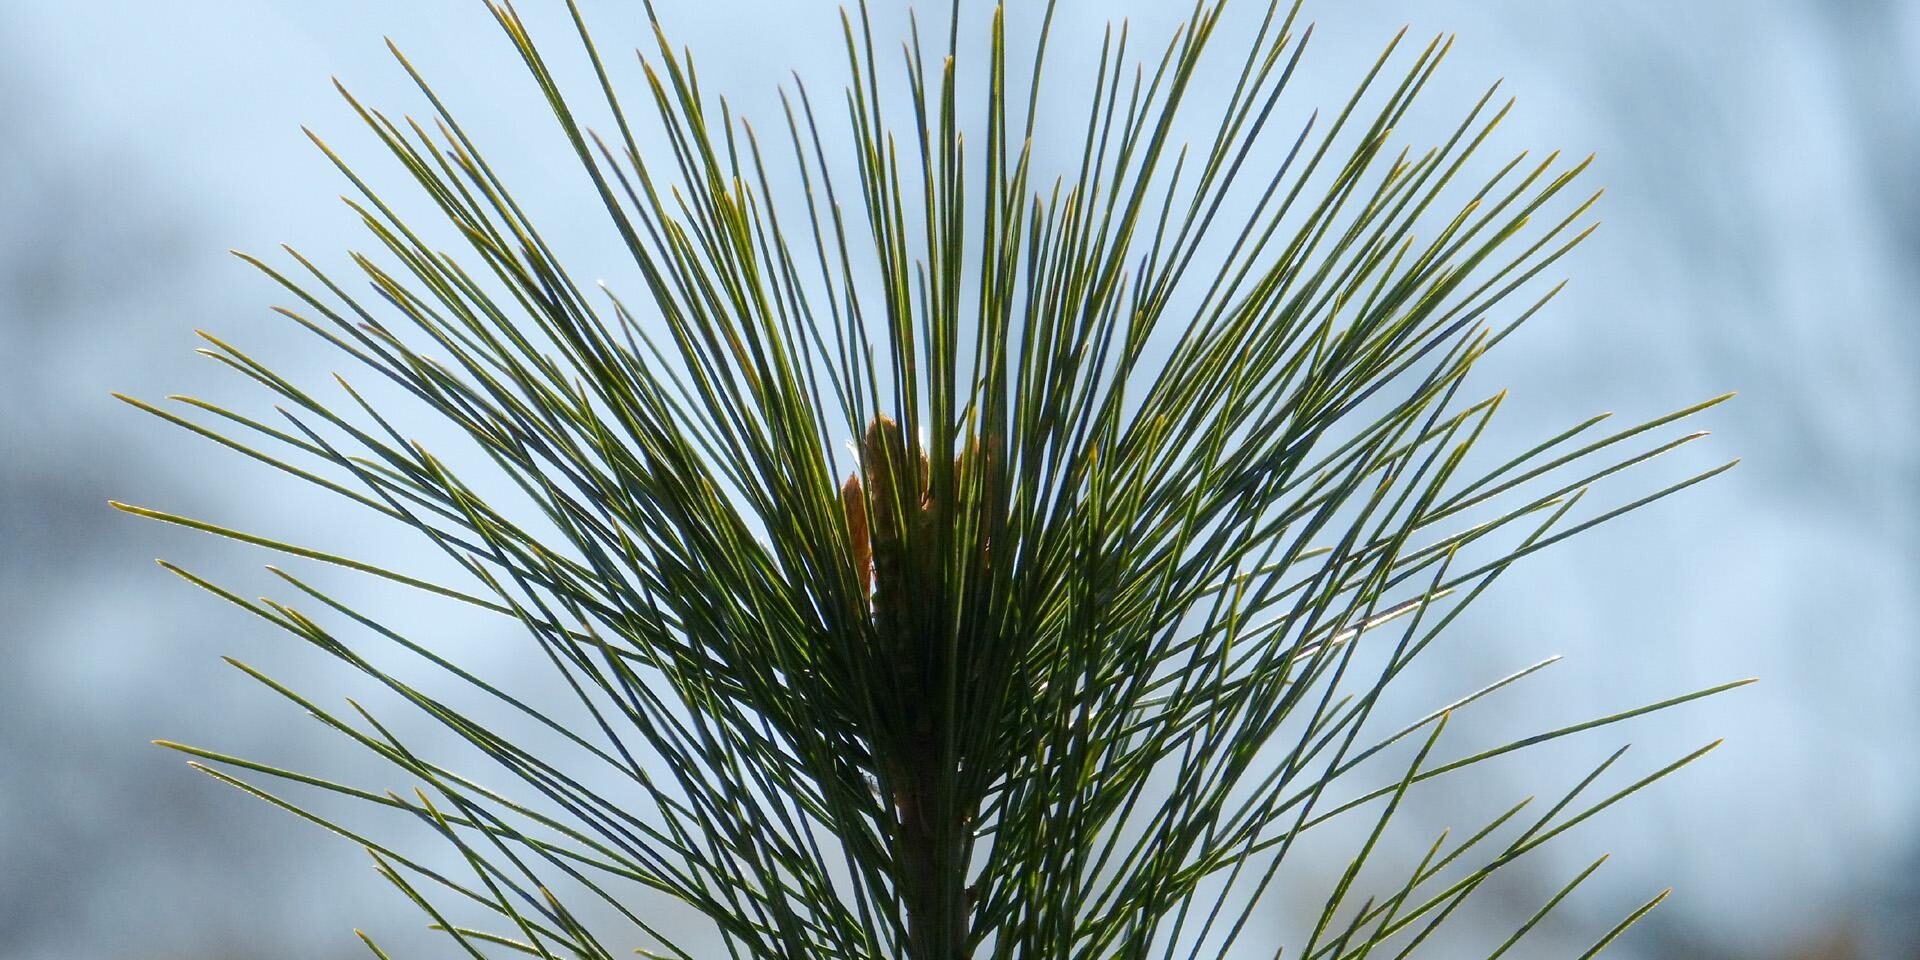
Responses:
[897,526]
[931,848]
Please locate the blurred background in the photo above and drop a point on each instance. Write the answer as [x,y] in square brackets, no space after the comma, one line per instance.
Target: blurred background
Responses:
[1762,234]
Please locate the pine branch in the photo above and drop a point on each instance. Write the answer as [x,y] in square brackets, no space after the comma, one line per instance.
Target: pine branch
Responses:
[944,556]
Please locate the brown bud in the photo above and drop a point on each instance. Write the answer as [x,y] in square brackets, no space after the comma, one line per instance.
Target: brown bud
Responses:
[854,502]
[892,485]
[881,452]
